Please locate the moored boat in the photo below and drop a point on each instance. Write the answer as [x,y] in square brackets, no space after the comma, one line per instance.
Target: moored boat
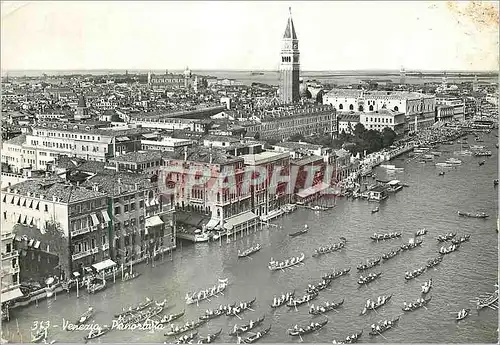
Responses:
[319,310]
[297,331]
[383,326]
[419,303]
[131,276]
[210,338]
[369,264]
[249,251]
[254,337]
[276,265]
[94,288]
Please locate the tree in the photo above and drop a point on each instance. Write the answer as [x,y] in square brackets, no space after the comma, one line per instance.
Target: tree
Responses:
[359,129]
[297,137]
[388,136]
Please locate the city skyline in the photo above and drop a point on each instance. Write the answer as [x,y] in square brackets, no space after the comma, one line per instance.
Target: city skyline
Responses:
[429,36]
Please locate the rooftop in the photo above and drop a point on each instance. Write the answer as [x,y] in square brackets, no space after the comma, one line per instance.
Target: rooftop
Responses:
[306,160]
[108,183]
[377,94]
[138,157]
[349,117]
[204,154]
[263,157]
[298,145]
[19,140]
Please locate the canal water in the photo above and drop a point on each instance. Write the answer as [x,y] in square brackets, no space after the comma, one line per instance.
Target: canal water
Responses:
[430,202]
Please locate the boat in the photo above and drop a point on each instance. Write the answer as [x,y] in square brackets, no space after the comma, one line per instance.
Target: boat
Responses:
[186,339]
[462,239]
[445,165]
[411,245]
[421,232]
[462,314]
[311,289]
[214,313]
[131,276]
[283,299]
[139,307]
[201,236]
[376,209]
[441,173]
[297,233]
[319,310]
[434,262]
[382,237]
[427,286]
[175,330]
[313,327]
[336,274]
[210,338]
[454,161]
[495,182]
[97,333]
[254,337]
[472,215]
[275,265]
[330,249]
[169,318]
[481,163]
[421,302]
[369,264]
[488,301]
[395,185]
[39,336]
[415,273]
[371,277]
[94,288]
[448,250]
[85,317]
[299,301]
[391,254]
[238,309]
[205,294]
[149,313]
[351,339]
[249,251]
[447,237]
[436,153]
[383,326]
[248,327]
[372,305]
[257,73]
[484,153]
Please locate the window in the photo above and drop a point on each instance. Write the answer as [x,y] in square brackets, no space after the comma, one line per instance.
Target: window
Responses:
[92,243]
[396,108]
[46,208]
[370,108]
[351,107]
[103,239]
[125,208]
[5,217]
[132,206]
[341,106]
[117,210]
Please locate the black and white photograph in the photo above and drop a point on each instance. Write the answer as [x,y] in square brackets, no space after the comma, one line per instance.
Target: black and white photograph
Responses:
[238,172]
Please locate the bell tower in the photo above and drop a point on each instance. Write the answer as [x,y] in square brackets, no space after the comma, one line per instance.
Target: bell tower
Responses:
[289,65]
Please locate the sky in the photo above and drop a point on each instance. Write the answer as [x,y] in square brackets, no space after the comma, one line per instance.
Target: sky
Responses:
[233,35]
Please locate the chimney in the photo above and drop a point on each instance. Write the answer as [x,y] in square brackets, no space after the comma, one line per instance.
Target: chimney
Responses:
[136,186]
[185,153]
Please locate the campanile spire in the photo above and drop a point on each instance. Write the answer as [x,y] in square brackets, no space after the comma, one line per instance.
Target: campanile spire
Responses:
[290,65]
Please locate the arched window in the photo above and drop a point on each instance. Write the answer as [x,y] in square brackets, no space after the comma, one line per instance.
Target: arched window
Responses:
[341,106]
[360,108]
[396,108]
[351,107]
[370,108]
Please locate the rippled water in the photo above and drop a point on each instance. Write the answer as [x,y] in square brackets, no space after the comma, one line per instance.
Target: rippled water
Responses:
[430,201]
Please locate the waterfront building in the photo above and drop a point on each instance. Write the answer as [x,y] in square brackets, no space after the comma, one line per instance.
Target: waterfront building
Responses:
[412,104]
[79,215]
[380,119]
[470,104]
[141,162]
[9,276]
[289,65]
[308,187]
[458,105]
[346,122]
[299,150]
[166,144]
[444,113]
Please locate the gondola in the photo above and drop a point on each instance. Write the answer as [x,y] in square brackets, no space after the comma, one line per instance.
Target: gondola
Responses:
[210,338]
[366,280]
[313,327]
[349,339]
[369,264]
[85,317]
[151,312]
[376,305]
[39,336]
[139,307]
[417,305]
[391,254]
[462,239]
[98,333]
[383,327]
[447,237]
[383,237]
[212,314]
[238,309]
[473,215]
[275,265]
[319,310]
[205,294]
[128,277]
[462,316]
[186,339]
[481,163]
[427,286]
[186,328]
[254,337]
[375,210]
[169,318]
[450,249]
[434,262]
[249,251]
[410,246]
[441,173]
[311,289]
[330,249]
[304,299]
[248,327]
[414,274]
[336,274]
[421,232]
[94,288]
[297,233]
[283,299]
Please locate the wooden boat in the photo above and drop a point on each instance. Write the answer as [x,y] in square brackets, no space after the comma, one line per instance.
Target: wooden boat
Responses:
[441,173]
[351,339]
[183,329]
[128,276]
[383,326]
[369,264]
[336,274]
[149,313]
[416,305]
[391,254]
[97,333]
[249,251]
[210,338]
[495,182]
[462,314]
[319,310]
[241,308]
[205,294]
[248,327]
[283,299]
[304,299]
[421,232]
[472,215]
[383,237]
[330,249]
[447,237]
[139,307]
[427,286]
[313,327]
[297,233]
[488,301]
[254,337]
[448,250]
[169,318]
[414,274]
[371,277]
[311,289]
[481,163]
[275,265]
[39,336]
[212,314]
[375,210]
[462,239]
[376,305]
[434,262]
[410,246]
[94,288]
[186,339]
[85,317]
